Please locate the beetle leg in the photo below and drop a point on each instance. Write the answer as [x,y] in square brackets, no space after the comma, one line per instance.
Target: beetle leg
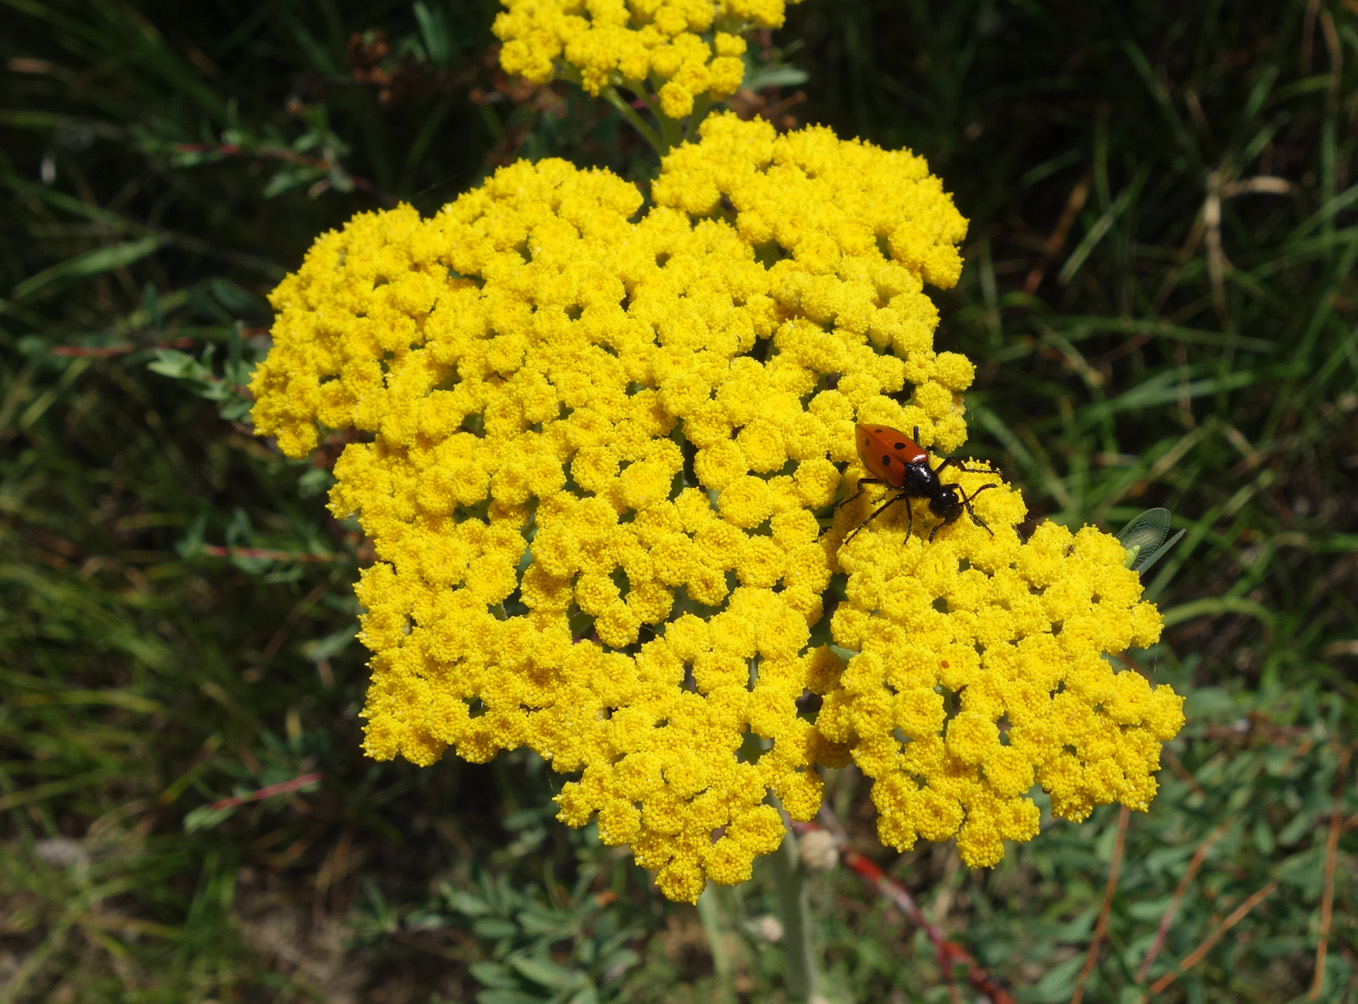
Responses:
[861,483]
[967,502]
[880,509]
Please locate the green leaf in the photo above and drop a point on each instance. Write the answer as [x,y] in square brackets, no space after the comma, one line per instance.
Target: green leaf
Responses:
[1296,828]
[1149,909]
[546,973]
[783,76]
[197,376]
[1262,834]
[237,300]
[494,928]
[465,903]
[494,974]
[1078,927]
[1056,983]
[84,265]
[205,817]
[434,34]
[331,645]
[508,997]
[541,920]
[620,960]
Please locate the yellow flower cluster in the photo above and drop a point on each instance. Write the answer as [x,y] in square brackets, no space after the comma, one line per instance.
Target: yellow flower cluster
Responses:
[598,442]
[979,672]
[676,49]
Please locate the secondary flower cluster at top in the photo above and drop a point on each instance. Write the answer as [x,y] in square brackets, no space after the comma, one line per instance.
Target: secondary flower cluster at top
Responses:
[677,49]
[599,442]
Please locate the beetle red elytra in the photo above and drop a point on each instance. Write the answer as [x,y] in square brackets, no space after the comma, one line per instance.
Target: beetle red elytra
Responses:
[897,461]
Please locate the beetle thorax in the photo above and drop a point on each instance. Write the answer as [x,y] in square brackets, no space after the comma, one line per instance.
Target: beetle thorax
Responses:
[919,481]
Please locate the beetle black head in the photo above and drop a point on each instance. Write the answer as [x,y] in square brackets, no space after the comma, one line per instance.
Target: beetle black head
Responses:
[945,504]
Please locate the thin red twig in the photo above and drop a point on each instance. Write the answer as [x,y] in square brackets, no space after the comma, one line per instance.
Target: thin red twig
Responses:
[950,954]
[122,348]
[1199,856]
[1057,239]
[217,551]
[1196,955]
[282,788]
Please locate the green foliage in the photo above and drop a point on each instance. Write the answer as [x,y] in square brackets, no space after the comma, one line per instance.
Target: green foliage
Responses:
[519,930]
[1160,295]
[198,377]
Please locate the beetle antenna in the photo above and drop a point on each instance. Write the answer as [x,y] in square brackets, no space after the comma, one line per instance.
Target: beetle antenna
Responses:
[969,470]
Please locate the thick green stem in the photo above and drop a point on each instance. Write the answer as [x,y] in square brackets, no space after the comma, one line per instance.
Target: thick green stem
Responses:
[625,109]
[710,914]
[671,130]
[702,104]
[794,903]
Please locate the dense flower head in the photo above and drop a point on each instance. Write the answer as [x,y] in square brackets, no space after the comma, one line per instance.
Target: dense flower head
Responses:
[979,672]
[601,447]
[675,49]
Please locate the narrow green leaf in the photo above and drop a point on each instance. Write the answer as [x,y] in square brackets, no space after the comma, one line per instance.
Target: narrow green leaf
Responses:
[494,974]
[90,263]
[508,997]
[545,973]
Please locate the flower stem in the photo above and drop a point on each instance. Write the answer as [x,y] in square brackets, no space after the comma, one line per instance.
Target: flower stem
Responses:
[710,914]
[794,903]
[702,104]
[625,109]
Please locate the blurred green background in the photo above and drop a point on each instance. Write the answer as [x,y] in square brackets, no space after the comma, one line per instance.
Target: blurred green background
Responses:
[1159,295]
